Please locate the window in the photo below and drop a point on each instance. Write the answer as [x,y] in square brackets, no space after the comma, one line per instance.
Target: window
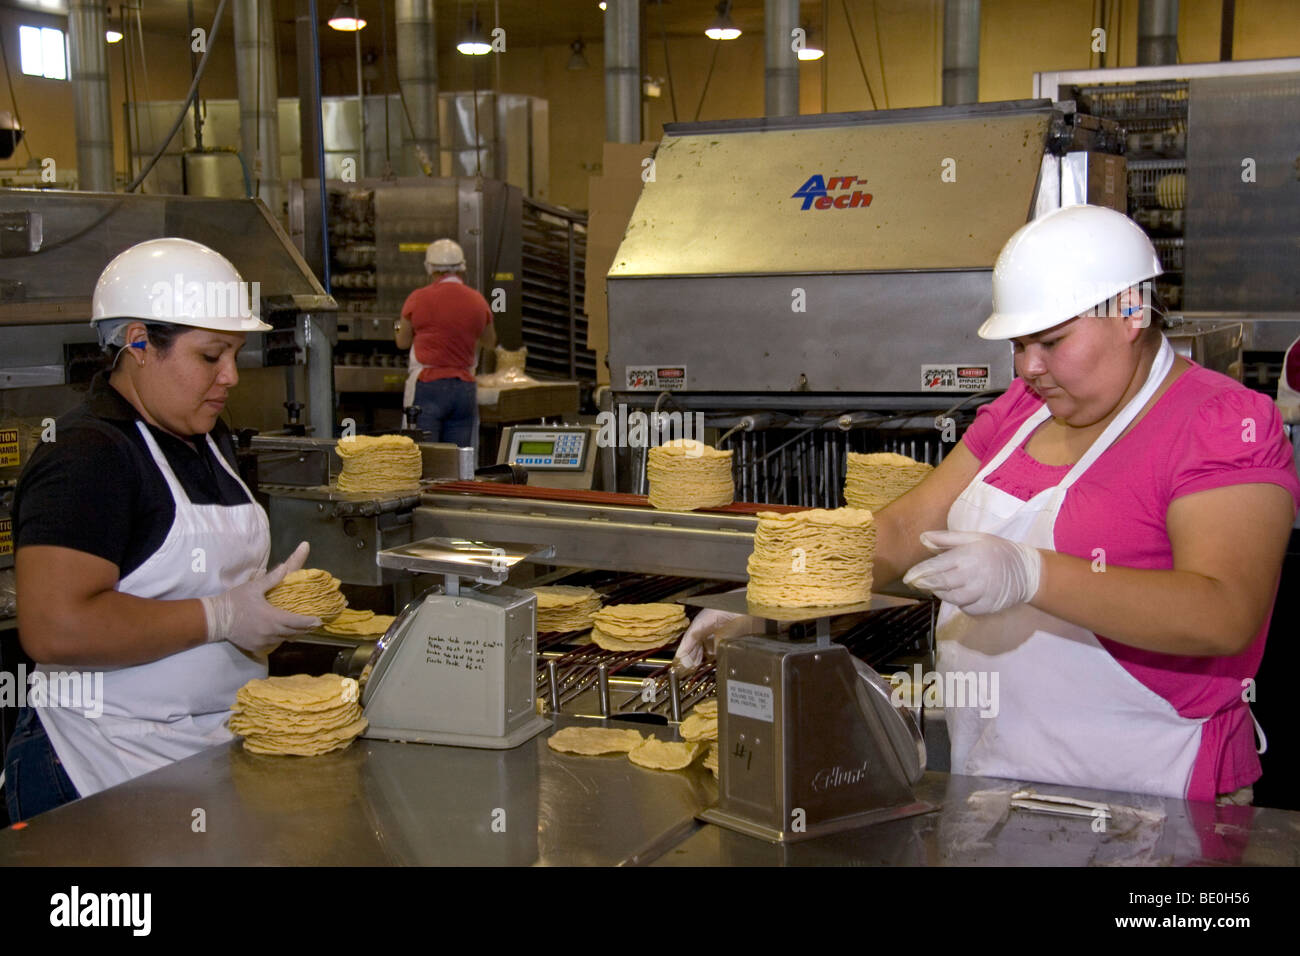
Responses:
[44,52]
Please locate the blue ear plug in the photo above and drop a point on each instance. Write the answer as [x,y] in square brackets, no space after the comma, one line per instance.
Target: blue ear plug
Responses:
[137,345]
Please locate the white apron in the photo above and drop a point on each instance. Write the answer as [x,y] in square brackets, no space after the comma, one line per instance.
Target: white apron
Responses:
[171,708]
[412,378]
[1068,712]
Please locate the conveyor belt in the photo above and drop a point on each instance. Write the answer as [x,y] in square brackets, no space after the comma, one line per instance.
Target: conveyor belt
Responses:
[579,496]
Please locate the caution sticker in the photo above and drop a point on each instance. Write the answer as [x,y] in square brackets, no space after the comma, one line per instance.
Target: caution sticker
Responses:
[6,536]
[656,378]
[954,378]
[9,447]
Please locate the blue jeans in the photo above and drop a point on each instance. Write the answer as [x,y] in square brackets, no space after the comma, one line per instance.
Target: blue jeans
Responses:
[35,780]
[449,411]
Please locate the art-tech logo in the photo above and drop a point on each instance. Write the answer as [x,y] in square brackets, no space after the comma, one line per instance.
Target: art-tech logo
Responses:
[816,193]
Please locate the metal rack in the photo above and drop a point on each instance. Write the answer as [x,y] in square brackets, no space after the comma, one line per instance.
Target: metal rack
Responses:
[1154,115]
[554,286]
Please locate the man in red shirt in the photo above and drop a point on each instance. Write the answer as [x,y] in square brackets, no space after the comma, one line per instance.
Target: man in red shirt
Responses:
[443,323]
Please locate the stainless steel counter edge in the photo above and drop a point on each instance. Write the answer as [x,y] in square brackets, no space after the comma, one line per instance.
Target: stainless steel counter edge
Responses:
[382,803]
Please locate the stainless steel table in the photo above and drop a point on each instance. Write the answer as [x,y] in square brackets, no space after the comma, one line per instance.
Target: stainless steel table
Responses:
[376,803]
[382,803]
[976,826]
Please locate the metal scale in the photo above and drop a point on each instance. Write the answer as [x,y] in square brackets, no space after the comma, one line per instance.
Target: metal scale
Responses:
[458,665]
[809,742]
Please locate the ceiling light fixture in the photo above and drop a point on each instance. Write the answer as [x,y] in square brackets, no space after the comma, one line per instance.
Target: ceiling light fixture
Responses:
[722,28]
[474,43]
[810,50]
[578,61]
[112,36]
[346,18]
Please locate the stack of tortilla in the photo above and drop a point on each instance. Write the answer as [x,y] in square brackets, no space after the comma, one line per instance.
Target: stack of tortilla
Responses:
[686,474]
[637,627]
[379,463]
[366,625]
[299,715]
[563,607]
[815,558]
[701,726]
[873,481]
[310,591]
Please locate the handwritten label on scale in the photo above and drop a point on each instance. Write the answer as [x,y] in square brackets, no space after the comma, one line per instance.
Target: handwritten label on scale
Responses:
[455,650]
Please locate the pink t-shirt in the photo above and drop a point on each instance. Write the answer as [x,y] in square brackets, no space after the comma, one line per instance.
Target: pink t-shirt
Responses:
[1191,440]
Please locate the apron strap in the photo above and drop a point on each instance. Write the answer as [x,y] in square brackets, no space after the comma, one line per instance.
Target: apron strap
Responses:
[1262,746]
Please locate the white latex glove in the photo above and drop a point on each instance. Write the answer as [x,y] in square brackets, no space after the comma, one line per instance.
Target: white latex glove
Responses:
[979,573]
[243,617]
[701,638]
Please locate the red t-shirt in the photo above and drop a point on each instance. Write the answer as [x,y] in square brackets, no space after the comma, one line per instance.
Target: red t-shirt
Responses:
[447,318]
[1206,431]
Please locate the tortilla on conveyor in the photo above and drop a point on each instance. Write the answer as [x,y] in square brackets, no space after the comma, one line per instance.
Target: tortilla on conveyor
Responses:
[685,474]
[379,463]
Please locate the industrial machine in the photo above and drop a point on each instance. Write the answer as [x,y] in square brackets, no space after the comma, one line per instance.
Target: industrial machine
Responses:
[812,285]
[523,255]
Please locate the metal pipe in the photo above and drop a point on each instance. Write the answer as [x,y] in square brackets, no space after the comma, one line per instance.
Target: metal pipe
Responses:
[257,76]
[781,64]
[961,52]
[1157,32]
[623,71]
[417,78]
[602,678]
[555,687]
[674,696]
[88,55]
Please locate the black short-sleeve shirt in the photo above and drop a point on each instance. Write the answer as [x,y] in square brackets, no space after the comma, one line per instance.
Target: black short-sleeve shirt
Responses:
[96,488]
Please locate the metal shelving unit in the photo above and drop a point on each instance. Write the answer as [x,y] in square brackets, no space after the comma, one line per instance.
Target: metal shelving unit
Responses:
[554,285]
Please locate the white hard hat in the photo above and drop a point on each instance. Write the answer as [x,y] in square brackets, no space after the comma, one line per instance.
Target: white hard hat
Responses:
[1062,264]
[176,281]
[444,255]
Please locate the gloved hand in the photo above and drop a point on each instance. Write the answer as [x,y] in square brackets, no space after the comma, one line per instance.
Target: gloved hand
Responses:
[243,617]
[702,636]
[979,573]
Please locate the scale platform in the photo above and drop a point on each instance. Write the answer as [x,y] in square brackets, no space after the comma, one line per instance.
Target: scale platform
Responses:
[778,619]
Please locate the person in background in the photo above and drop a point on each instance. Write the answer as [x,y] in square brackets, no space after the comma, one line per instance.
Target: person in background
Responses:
[443,324]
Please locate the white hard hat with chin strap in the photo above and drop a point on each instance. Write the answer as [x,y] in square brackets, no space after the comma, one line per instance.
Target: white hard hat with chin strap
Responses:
[172,281]
[444,255]
[1063,264]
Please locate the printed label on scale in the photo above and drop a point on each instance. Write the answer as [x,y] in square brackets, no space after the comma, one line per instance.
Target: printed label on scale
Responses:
[954,378]
[749,700]
[656,378]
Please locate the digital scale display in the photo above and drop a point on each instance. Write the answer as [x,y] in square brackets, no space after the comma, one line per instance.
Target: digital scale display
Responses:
[551,450]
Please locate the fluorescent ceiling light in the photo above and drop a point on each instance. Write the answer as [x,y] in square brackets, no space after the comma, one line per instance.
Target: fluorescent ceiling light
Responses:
[346,18]
[722,28]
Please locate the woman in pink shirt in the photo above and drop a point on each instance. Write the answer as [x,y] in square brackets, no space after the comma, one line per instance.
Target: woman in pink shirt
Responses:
[1115,527]
[1116,524]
